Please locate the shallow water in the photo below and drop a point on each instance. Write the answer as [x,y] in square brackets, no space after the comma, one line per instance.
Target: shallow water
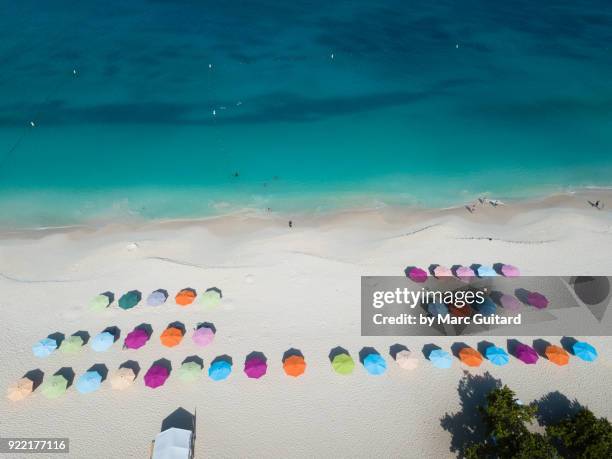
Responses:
[316,106]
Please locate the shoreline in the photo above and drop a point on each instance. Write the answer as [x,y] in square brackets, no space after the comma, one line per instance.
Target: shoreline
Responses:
[575,199]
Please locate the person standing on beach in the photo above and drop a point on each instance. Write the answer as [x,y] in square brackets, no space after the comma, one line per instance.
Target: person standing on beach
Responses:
[290,224]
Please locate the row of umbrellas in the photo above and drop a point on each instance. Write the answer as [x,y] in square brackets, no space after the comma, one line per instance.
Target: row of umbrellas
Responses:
[294,364]
[210,298]
[202,335]
[464,273]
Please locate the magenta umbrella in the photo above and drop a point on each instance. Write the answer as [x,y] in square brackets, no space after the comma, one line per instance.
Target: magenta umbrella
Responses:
[510,303]
[417,275]
[136,339]
[203,336]
[156,376]
[526,354]
[465,274]
[255,367]
[510,271]
[537,300]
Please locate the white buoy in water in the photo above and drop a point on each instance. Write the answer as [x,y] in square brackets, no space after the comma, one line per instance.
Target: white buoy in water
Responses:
[32,124]
[332,56]
[457,46]
[210,66]
[214,112]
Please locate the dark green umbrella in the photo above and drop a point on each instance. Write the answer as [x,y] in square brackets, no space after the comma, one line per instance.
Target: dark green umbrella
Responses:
[130,299]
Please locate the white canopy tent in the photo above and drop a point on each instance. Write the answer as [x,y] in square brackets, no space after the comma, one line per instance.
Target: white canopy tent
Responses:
[173,443]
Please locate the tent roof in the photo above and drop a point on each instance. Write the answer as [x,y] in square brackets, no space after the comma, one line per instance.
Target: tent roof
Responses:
[173,443]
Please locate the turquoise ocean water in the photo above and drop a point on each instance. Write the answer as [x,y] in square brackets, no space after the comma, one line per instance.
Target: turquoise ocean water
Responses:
[316,105]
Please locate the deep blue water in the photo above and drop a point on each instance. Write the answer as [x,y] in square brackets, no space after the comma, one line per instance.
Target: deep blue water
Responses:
[315,104]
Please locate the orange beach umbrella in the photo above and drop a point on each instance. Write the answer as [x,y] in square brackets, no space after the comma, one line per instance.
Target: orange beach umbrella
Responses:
[294,365]
[471,357]
[557,355]
[171,336]
[185,297]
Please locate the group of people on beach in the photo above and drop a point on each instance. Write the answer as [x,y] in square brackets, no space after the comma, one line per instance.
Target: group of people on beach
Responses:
[471,208]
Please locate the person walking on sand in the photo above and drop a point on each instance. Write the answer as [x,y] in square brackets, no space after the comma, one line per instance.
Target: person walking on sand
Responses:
[290,224]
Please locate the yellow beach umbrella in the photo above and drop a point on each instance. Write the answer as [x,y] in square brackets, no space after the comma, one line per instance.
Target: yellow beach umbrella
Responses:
[20,389]
[122,378]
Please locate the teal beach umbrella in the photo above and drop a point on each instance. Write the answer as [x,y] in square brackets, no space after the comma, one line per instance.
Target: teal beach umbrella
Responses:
[219,370]
[89,382]
[440,358]
[44,347]
[130,299]
[375,364]
[497,356]
[585,351]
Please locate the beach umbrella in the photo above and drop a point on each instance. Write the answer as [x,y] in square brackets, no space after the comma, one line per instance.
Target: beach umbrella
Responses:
[464,311]
[20,389]
[537,300]
[417,275]
[487,307]
[89,382]
[465,274]
[171,336]
[130,299]
[343,364]
[156,376]
[122,378]
[440,358]
[157,298]
[203,336]
[219,370]
[375,364]
[437,309]
[486,271]
[442,272]
[185,297]
[510,302]
[99,303]
[102,341]
[72,344]
[294,365]
[55,386]
[406,360]
[44,347]
[584,351]
[526,354]
[557,355]
[510,271]
[189,371]
[497,356]
[255,367]
[136,339]
[471,357]
[210,298]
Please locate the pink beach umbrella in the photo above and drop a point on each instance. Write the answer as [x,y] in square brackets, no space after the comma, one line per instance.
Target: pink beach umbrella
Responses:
[417,275]
[136,339]
[203,336]
[510,271]
[255,367]
[442,272]
[510,303]
[156,376]
[526,354]
[465,274]
[537,300]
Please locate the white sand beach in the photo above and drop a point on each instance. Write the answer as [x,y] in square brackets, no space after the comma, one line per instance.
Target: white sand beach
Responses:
[282,287]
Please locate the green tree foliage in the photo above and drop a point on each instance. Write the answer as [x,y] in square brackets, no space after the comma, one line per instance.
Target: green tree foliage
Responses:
[584,435]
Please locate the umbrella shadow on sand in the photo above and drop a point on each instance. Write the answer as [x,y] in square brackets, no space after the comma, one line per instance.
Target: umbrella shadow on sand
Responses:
[165,363]
[482,346]
[257,355]
[395,349]
[293,352]
[36,376]
[567,342]
[58,337]
[336,351]
[146,328]
[511,345]
[215,289]
[132,365]
[540,346]
[67,373]
[428,349]
[179,419]
[101,369]
[194,358]
[179,325]
[457,347]
[466,426]
[223,358]
[365,351]
[113,330]
[208,325]
[84,335]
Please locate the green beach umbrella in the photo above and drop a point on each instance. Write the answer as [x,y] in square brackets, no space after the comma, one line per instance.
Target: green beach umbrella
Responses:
[72,344]
[54,386]
[189,371]
[130,299]
[99,303]
[210,298]
[343,364]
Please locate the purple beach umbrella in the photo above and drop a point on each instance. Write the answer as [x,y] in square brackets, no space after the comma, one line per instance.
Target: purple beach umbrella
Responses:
[136,339]
[526,354]
[156,376]
[255,367]
[417,275]
[203,336]
[537,300]
[465,274]
[510,271]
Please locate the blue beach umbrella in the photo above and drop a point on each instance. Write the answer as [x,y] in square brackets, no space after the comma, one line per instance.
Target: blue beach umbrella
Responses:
[487,307]
[497,356]
[102,341]
[375,364]
[44,347]
[437,309]
[486,271]
[585,351]
[440,358]
[157,298]
[89,382]
[219,370]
